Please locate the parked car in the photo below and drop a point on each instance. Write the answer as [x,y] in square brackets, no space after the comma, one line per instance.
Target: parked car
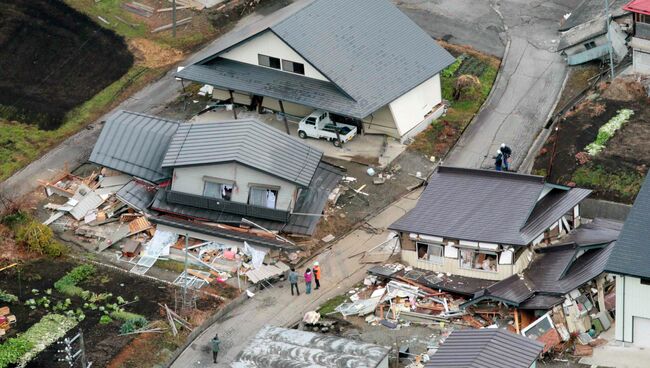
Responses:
[320,124]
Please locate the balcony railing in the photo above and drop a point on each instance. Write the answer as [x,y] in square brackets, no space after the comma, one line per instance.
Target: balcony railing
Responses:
[235,208]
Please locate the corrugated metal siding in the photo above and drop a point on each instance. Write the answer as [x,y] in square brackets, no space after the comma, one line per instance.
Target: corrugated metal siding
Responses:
[135,144]
[248,142]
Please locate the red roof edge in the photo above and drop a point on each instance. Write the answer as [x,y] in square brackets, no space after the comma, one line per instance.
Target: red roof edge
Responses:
[638,6]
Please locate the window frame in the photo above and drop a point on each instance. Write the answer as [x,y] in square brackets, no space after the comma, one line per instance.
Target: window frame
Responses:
[260,58]
[438,260]
[220,186]
[272,188]
[475,252]
[290,67]
[590,45]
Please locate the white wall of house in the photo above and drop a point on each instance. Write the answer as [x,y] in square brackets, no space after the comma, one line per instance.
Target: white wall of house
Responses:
[191,179]
[412,108]
[632,311]
[578,48]
[381,122]
[267,43]
[641,55]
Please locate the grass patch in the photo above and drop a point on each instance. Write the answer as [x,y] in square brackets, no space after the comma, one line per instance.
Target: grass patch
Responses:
[438,139]
[21,144]
[330,305]
[623,184]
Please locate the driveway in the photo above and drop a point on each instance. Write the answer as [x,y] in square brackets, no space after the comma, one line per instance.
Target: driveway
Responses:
[532,74]
[276,306]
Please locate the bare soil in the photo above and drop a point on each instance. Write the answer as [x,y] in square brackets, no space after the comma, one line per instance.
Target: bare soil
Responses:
[53,59]
[102,341]
[625,153]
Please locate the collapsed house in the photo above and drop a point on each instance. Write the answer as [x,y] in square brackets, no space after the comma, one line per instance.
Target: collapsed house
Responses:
[588,34]
[628,261]
[481,224]
[486,348]
[281,347]
[218,192]
[368,62]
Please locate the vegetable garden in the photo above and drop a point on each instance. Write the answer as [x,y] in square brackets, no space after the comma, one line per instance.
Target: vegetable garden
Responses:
[52,299]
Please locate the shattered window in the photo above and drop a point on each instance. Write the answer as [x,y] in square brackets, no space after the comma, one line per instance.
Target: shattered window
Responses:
[430,252]
[478,260]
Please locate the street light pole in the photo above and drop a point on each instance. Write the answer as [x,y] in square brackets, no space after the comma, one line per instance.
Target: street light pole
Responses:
[174,18]
[609,40]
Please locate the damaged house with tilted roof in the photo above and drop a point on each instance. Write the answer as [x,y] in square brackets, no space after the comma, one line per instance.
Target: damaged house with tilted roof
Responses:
[239,174]
[485,224]
[364,60]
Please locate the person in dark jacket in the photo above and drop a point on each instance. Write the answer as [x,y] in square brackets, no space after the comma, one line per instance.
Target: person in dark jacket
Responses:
[507,152]
[498,161]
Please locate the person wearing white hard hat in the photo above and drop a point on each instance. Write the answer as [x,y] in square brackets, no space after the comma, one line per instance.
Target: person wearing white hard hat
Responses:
[316,270]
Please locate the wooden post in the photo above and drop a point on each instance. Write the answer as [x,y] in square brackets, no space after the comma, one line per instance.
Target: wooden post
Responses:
[284,117]
[517,320]
[600,286]
[232,100]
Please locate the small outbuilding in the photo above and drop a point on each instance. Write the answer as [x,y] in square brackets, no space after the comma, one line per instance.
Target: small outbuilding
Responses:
[277,347]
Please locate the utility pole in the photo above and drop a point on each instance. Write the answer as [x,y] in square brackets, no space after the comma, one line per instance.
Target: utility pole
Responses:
[187,277]
[609,40]
[71,355]
[174,18]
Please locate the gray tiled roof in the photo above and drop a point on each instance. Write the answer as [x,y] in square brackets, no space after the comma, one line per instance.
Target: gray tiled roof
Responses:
[630,255]
[485,348]
[248,142]
[590,9]
[369,49]
[485,205]
[135,144]
[137,194]
[272,83]
[555,270]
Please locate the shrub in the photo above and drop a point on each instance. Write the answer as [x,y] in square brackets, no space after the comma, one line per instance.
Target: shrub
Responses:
[104,320]
[14,219]
[38,238]
[133,324]
[68,283]
[7,297]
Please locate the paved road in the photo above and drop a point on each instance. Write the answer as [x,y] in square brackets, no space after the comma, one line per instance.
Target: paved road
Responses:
[76,149]
[531,77]
[276,306]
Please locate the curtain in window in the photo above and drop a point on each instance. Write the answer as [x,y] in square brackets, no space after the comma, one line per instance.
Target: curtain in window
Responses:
[212,190]
[257,197]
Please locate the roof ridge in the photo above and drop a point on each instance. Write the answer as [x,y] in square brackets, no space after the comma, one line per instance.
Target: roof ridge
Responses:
[490,173]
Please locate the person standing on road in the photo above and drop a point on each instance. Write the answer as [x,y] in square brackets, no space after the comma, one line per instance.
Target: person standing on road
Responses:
[293,280]
[317,275]
[507,152]
[498,161]
[215,347]
[308,277]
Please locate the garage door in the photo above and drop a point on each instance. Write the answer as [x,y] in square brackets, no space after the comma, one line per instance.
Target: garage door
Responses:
[641,332]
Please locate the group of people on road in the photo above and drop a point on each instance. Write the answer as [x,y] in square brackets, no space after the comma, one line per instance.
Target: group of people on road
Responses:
[502,159]
[310,275]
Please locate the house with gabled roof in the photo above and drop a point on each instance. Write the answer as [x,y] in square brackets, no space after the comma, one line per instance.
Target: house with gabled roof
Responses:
[361,59]
[485,224]
[191,176]
[629,261]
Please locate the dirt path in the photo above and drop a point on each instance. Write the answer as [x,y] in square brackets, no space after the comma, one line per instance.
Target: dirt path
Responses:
[275,306]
